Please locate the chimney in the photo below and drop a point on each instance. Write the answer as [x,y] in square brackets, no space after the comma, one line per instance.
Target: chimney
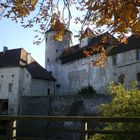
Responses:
[28,58]
[5,49]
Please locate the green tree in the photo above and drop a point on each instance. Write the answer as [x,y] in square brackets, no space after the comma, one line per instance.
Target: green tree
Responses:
[125,103]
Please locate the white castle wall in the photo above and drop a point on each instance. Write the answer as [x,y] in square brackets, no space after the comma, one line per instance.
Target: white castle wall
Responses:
[74,75]
[79,73]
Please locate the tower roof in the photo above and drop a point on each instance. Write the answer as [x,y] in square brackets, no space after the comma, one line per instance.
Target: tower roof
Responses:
[88,33]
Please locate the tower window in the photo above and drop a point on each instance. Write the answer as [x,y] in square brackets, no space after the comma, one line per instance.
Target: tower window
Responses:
[114,60]
[138,54]
[48,60]
[10,87]
[0,87]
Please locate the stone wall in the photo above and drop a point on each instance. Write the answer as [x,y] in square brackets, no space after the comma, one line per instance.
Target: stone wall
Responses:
[70,105]
[74,75]
[62,105]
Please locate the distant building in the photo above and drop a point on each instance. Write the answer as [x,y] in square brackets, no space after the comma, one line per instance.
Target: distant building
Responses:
[21,75]
[72,69]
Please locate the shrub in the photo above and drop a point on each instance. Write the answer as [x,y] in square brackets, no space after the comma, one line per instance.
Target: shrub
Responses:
[125,103]
[87,90]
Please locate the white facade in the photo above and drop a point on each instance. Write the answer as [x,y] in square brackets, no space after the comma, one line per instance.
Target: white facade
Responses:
[21,75]
[79,73]
[9,81]
[16,82]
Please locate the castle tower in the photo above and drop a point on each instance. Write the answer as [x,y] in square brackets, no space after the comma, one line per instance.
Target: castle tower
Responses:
[53,51]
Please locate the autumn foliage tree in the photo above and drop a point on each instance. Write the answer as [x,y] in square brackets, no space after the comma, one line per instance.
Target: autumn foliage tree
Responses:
[120,17]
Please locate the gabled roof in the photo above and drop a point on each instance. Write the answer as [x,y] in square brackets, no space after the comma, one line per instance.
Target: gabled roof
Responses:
[10,58]
[88,33]
[38,71]
[76,52]
[133,43]
[18,58]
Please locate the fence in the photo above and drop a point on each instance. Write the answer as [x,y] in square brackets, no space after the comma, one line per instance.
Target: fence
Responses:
[34,127]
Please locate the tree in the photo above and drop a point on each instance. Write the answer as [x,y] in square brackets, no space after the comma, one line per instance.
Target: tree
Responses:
[119,17]
[125,103]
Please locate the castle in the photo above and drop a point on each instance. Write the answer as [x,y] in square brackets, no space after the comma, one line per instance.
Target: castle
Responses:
[67,69]
[73,70]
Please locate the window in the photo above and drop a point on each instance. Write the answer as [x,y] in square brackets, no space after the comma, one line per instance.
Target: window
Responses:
[58,86]
[27,75]
[2,76]
[48,60]
[50,72]
[114,60]
[56,59]
[122,79]
[12,75]
[48,91]
[56,50]
[10,87]
[138,77]
[138,54]
[0,87]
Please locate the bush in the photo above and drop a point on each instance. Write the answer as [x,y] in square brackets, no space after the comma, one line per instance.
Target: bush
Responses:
[125,103]
[87,90]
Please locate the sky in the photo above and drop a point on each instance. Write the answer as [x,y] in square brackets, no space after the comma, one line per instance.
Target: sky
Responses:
[12,35]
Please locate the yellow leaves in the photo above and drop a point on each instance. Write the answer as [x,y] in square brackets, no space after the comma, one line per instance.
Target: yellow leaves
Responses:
[124,40]
[23,7]
[136,27]
[59,36]
[121,28]
[33,2]
[101,60]
[118,15]
[59,27]
[87,52]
